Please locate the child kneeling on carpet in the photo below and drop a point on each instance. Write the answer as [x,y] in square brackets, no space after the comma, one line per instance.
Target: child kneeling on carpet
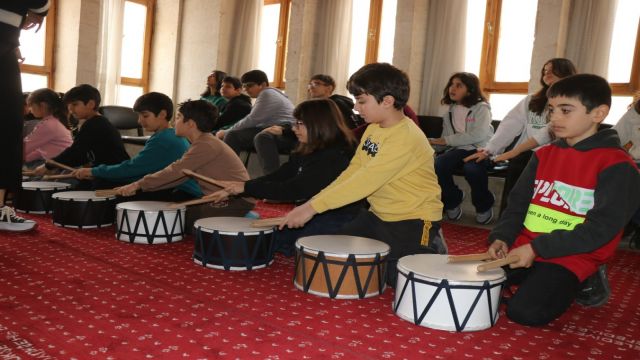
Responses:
[208,156]
[566,213]
[392,169]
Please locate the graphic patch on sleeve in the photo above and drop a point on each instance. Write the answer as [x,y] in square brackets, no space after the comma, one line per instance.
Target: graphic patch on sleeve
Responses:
[370,147]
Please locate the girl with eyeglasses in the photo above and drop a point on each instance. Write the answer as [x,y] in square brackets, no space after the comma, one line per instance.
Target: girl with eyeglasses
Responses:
[325,148]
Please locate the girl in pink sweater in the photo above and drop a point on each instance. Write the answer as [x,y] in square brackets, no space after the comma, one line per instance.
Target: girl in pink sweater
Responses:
[51,135]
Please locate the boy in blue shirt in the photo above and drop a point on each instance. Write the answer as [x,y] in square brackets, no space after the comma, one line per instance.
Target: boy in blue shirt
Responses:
[155,110]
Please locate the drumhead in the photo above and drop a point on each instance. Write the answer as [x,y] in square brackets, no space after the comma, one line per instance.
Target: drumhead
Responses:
[152,206]
[342,245]
[436,267]
[45,185]
[230,225]
[80,196]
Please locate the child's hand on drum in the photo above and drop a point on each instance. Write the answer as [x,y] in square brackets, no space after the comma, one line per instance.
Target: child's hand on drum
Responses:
[217,196]
[526,255]
[127,190]
[40,170]
[498,249]
[232,187]
[82,173]
[297,217]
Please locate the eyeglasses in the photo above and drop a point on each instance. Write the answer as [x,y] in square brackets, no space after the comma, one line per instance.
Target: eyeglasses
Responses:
[248,85]
[316,84]
[298,124]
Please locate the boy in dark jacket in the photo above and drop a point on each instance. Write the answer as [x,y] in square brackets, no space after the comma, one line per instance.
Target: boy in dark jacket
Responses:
[97,142]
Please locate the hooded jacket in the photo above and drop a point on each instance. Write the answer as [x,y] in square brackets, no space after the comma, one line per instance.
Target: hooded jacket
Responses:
[572,202]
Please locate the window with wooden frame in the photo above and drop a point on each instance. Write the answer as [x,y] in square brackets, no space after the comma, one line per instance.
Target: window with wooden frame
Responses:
[36,49]
[506,60]
[376,44]
[273,44]
[624,58]
[135,50]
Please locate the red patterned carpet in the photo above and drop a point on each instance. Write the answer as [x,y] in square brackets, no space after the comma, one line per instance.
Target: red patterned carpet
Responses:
[70,294]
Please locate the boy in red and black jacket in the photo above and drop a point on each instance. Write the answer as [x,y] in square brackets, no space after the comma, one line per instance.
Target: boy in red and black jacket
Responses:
[566,214]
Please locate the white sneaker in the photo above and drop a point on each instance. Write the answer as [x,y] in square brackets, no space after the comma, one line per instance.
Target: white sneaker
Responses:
[9,221]
[484,217]
[456,213]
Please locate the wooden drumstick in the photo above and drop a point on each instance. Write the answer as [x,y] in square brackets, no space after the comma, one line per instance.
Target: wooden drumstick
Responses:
[202,177]
[61,176]
[106,192]
[267,222]
[190,202]
[59,165]
[510,259]
[469,257]
[28,172]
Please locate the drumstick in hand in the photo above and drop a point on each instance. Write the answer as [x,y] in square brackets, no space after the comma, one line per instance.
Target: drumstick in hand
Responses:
[59,165]
[61,176]
[469,257]
[510,259]
[267,222]
[106,192]
[202,177]
[190,202]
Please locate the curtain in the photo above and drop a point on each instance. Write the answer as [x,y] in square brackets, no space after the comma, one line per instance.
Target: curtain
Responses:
[239,40]
[589,35]
[445,51]
[109,50]
[331,53]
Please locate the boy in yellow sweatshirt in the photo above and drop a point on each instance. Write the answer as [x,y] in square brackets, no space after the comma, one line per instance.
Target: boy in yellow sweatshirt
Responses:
[392,169]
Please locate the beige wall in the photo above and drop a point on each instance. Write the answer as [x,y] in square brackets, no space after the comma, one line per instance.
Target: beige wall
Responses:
[185,45]
[77,38]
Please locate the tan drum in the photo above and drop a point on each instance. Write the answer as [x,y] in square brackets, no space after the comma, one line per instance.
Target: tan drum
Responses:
[230,243]
[35,196]
[433,293]
[340,266]
[149,222]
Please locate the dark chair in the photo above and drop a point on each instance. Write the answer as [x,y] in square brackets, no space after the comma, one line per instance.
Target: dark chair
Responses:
[124,118]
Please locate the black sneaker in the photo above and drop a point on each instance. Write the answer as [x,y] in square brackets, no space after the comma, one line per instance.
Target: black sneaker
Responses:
[595,290]
[439,244]
[9,221]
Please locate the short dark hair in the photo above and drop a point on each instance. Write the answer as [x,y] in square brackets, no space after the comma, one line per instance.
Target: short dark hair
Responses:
[325,125]
[592,90]
[237,84]
[325,79]
[202,112]
[380,80]
[84,93]
[255,76]
[154,102]
[472,83]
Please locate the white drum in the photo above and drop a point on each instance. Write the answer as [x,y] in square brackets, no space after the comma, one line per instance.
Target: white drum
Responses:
[82,209]
[341,266]
[149,222]
[35,196]
[433,293]
[230,243]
